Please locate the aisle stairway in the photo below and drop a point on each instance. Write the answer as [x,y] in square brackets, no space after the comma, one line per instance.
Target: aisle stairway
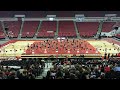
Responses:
[21,28]
[99,29]
[47,68]
[76,29]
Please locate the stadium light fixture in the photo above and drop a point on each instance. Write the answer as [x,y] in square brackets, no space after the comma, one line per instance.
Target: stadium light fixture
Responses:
[79,17]
[51,17]
[109,17]
[19,16]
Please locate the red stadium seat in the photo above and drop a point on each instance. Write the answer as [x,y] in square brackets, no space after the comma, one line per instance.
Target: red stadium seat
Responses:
[29,28]
[13,27]
[87,28]
[66,29]
[107,26]
[47,29]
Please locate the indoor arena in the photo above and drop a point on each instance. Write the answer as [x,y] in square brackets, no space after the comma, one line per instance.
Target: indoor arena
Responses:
[49,45]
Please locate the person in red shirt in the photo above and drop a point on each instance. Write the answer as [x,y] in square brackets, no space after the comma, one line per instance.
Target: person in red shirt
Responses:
[107,69]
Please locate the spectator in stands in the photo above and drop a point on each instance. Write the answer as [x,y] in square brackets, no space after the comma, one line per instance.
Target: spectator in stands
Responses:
[48,75]
[24,75]
[12,75]
[67,74]
[59,74]
[107,68]
[31,76]
[2,75]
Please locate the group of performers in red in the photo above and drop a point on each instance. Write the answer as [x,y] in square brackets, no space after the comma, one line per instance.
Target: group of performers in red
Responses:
[62,46]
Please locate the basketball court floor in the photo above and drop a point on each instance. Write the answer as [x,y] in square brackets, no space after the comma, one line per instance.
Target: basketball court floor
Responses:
[105,47]
[19,48]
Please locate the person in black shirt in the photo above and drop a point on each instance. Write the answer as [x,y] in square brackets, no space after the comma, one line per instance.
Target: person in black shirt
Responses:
[108,55]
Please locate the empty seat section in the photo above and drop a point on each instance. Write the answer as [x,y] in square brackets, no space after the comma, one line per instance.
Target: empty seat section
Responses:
[29,28]
[66,29]
[107,26]
[47,29]
[2,35]
[13,27]
[87,28]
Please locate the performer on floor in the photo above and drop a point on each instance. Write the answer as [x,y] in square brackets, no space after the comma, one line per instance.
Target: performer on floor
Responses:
[113,44]
[28,45]
[108,55]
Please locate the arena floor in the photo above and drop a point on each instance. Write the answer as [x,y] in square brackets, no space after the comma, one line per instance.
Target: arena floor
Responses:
[91,47]
[105,47]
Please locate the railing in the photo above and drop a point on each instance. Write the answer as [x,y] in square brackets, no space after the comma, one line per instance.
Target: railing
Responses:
[86,19]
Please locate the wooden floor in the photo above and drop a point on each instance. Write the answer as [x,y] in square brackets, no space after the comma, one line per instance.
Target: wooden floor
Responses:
[105,47]
[19,47]
[10,49]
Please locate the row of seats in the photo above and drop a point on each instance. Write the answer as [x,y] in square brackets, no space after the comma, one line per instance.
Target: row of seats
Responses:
[66,29]
[48,28]
[2,35]
[107,26]
[87,28]
[13,28]
[29,28]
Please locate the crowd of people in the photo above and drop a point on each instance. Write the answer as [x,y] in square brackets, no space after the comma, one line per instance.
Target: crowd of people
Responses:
[62,69]
[69,68]
[29,69]
[82,69]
